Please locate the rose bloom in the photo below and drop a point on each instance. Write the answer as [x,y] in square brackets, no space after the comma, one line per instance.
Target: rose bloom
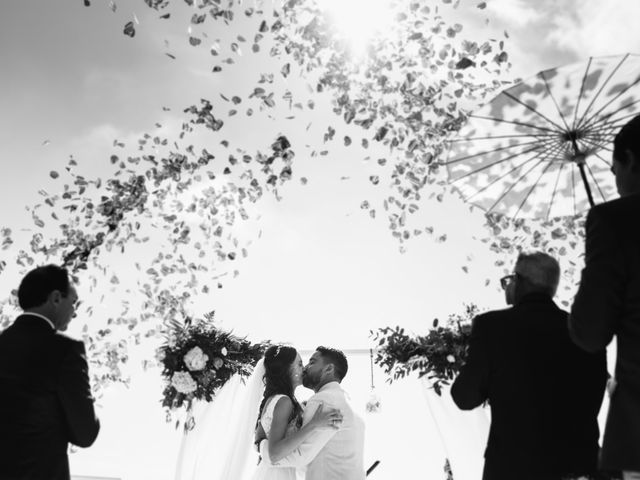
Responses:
[195,359]
[183,382]
[217,362]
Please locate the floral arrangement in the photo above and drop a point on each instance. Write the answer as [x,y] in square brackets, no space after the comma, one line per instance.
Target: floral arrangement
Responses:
[199,358]
[439,355]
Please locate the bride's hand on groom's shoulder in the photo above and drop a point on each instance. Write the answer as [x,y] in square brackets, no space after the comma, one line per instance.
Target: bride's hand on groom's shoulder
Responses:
[326,417]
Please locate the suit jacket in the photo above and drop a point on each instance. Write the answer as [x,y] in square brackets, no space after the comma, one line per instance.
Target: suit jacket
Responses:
[329,454]
[45,401]
[545,392]
[608,304]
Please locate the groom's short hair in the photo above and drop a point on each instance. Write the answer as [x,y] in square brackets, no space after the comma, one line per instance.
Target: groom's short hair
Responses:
[337,359]
[39,283]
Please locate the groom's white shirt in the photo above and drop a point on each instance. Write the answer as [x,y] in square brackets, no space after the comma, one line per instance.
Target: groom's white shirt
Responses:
[328,454]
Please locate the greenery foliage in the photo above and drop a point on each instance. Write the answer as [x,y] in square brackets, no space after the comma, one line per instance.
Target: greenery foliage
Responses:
[438,355]
[198,359]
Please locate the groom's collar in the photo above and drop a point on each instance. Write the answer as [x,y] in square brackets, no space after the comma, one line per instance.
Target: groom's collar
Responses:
[330,386]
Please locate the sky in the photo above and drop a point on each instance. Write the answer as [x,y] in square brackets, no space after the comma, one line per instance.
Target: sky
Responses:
[319,269]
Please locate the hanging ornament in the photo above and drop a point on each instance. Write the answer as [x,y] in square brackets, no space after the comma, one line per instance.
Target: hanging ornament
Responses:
[373,404]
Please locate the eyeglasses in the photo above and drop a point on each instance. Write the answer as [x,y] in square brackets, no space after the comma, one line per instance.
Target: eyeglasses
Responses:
[506,280]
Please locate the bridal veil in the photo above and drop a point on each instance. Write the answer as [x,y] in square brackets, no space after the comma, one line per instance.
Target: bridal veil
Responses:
[220,446]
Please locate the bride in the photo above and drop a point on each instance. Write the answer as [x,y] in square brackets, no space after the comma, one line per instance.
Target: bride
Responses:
[280,414]
[219,447]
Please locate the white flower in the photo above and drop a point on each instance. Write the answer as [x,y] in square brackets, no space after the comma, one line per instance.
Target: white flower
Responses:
[183,382]
[224,351]
[451,359]
[195,359]
[217,362]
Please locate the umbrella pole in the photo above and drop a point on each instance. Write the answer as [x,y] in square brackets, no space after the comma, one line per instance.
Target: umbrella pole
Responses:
[583,174]
[580,159]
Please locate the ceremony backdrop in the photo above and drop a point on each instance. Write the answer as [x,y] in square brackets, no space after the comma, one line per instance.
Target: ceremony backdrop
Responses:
[319,269]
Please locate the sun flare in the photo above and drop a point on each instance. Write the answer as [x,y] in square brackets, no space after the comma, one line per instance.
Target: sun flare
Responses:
[359,21]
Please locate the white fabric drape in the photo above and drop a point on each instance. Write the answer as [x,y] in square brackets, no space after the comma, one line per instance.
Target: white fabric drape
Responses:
[463,433]
[220,446]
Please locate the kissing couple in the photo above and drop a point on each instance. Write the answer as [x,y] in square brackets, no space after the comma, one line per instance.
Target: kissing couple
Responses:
[325,438]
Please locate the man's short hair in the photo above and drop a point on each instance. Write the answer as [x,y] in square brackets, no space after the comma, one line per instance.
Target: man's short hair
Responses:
[540,269]
[337,359]
[628,138]
[39,283]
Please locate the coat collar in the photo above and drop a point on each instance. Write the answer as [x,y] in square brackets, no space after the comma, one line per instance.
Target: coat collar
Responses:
[42,317]
[536,298]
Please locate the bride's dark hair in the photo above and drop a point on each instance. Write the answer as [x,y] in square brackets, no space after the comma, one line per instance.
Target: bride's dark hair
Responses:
[278,360]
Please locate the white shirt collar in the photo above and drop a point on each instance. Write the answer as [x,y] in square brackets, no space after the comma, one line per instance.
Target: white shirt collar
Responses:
[33,314]
[330,386]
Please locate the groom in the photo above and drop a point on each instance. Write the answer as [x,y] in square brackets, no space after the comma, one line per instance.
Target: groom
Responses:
[329,454]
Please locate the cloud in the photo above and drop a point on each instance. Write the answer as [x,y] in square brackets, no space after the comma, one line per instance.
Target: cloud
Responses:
[516,13]
[547,33]
[597,30]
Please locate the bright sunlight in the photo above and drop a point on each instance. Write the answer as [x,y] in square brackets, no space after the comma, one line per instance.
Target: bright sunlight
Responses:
[359,20]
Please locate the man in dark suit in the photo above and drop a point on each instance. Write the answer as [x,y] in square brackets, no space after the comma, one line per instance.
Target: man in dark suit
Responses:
[45,397]
[544,392]
[608,301]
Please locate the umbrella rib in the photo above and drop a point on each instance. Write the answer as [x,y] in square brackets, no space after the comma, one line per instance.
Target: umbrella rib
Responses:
[595,181]
[546,84]
[555,188]
[533,187]
[499,137]
[517,100]
[607,126]
[513,122]
[573,188]
[603,160]
[596,144]
[456,160]
[546,155]
[504,194]
[494,181]
[584,80]
[604,119]
[494,164]
[584,115]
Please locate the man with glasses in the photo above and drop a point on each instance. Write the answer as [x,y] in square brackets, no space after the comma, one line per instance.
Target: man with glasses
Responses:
[544,392]
[45,397]
[608,301]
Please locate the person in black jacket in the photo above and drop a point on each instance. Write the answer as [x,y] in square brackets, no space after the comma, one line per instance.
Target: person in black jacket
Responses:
[545,393]
[608,301]
[45,396]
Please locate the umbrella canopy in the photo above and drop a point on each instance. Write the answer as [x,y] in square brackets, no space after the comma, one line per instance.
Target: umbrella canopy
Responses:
[542,148]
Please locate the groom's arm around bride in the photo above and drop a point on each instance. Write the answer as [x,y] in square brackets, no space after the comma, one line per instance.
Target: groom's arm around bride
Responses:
[330,454]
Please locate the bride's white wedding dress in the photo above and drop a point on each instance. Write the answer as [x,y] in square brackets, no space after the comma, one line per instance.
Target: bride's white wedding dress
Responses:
[266,471]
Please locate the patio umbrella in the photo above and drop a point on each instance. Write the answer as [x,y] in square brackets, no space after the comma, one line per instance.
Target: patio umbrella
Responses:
[542,148]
